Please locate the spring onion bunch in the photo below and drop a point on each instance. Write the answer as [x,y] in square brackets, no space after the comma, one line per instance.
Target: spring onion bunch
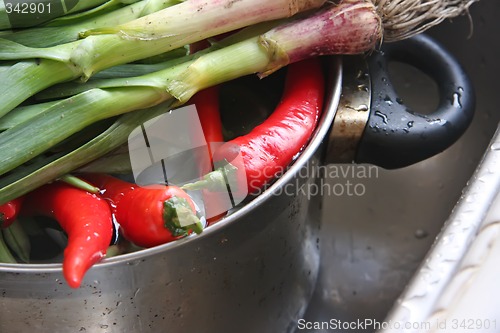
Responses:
[42,142]
[150,35]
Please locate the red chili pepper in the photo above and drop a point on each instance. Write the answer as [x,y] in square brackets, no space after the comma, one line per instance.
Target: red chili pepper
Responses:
[208,109]
[85,217]
[207,106]
[148,215]
[271,146]
[9,212]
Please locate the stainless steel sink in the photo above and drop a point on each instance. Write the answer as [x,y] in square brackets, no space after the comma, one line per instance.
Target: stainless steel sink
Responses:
[374,244]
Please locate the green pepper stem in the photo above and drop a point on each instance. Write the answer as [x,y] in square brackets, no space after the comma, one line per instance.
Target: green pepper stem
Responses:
[215,181]
[179,217]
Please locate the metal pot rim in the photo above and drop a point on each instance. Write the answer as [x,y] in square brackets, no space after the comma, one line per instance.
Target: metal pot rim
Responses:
[334,82]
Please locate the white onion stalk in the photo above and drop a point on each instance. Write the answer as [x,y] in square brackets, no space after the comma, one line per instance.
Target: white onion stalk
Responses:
[179,25]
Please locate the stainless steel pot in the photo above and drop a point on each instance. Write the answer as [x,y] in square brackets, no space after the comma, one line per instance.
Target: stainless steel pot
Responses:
[254,271]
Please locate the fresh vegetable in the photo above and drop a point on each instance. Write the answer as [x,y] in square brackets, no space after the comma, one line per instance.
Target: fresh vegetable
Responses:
[9,212]
[263,53]
[150,35]
[85,217]
[150,215]
[271,146]
[18,241]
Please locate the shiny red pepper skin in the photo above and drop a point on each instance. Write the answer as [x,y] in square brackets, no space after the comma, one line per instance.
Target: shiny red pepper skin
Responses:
[271,146]
[9,212]
[143,212]
[207,106]
[85,217]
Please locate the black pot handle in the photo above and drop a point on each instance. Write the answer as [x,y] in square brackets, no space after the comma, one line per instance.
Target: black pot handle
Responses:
[395,136]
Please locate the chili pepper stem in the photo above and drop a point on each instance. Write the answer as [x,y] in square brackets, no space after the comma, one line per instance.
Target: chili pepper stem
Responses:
[215,181]
[179,217]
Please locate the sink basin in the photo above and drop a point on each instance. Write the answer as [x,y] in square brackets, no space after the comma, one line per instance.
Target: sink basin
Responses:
[374,243]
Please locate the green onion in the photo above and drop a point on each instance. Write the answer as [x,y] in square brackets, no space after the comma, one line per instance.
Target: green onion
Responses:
[150,35]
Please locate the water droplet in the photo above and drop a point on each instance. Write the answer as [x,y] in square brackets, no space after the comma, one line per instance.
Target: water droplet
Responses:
[388,100]
[381,115]
[410,124]
[456,100]
[399,101]
[421,233]
[384,79]
[362,107]
[362,87]
[436,121]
